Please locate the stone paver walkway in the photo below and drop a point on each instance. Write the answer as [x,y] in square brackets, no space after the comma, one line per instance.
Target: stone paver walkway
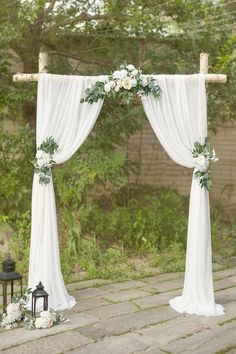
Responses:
[133,317]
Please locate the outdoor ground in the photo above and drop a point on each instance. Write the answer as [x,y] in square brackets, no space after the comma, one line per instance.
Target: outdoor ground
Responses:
[133,317]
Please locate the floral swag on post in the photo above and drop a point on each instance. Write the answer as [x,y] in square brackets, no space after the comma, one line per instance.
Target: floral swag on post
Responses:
[127,82]
[203,155]
[44,160]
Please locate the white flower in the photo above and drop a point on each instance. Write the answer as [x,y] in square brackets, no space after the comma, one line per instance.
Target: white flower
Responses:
[39,322]
[130,67]
[119,83]
[48,315]
[13,307]
[134,73]
[123,73]
[14,312]
[202,162]
[117,74]
[134,82]
[214,158]
[107,87]
[46,158]
[127,83]
[39,154]
[40,163]
[112,83]
[144,80]
[45,320]
[117,88]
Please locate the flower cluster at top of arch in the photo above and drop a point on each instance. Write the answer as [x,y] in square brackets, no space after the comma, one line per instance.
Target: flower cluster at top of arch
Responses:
[126,82]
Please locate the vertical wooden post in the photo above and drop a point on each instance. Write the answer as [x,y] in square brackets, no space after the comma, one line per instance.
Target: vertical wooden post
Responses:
[43,62]
[204,63]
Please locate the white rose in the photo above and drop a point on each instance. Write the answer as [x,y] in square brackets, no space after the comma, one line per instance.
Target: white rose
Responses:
[112,84]
[40,163]
[39,154]
[117,88]
[134,72]
[119,83]
[144,80]
[39,322]
[117,74]
[130,67]
[123,73]
[202,163]
[13,307]
[107,87]
[42,322]
[14,312]
[127,83]
[46,158]
[134,82]
[48,315]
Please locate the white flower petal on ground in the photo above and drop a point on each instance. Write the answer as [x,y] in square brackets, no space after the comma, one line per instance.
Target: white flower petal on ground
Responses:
[117,89]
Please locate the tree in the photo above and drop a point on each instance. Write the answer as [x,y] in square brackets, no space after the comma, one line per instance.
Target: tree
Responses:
[160,36]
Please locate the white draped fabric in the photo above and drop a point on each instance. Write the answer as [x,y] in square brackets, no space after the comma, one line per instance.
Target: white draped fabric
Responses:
[60,115]
[179,118]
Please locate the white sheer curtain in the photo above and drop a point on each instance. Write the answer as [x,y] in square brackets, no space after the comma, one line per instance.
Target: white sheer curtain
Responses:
[60,115]
[179,119]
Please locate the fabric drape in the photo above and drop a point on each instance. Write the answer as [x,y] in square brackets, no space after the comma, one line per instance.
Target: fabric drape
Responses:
[179,119]
[60,115]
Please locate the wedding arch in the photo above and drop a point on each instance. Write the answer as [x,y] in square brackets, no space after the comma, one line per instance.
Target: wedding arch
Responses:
[179,120]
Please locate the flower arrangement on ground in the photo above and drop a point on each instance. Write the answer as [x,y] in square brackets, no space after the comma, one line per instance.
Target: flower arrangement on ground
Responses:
[203,155]
[17,314]
[46,319]
[44,160]
[127,82]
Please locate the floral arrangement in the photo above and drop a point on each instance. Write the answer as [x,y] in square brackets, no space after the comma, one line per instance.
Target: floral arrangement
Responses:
[17,313]
[127,81]
[44,160]
[46,319]
[203,155]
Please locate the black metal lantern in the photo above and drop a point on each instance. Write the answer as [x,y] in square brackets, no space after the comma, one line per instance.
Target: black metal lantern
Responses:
[8,275]
[38,293]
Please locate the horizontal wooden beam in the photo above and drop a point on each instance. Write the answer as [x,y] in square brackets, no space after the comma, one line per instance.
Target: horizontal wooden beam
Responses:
[214,78]
[20,77]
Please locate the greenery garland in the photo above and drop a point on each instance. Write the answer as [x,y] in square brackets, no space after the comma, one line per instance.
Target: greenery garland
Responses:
[44,160]
[203,155]
[126,82]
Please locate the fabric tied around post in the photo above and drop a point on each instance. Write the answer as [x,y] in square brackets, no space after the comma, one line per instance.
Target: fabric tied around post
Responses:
[60,115]
[179,119]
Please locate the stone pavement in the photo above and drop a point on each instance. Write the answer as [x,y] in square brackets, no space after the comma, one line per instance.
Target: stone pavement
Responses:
[133,317]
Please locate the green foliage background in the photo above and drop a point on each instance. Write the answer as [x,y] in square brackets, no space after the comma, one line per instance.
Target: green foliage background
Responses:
[105,224]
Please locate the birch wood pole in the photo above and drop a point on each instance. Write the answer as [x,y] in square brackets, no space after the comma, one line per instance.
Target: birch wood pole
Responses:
[217,78]
[204,63]
[43,62]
